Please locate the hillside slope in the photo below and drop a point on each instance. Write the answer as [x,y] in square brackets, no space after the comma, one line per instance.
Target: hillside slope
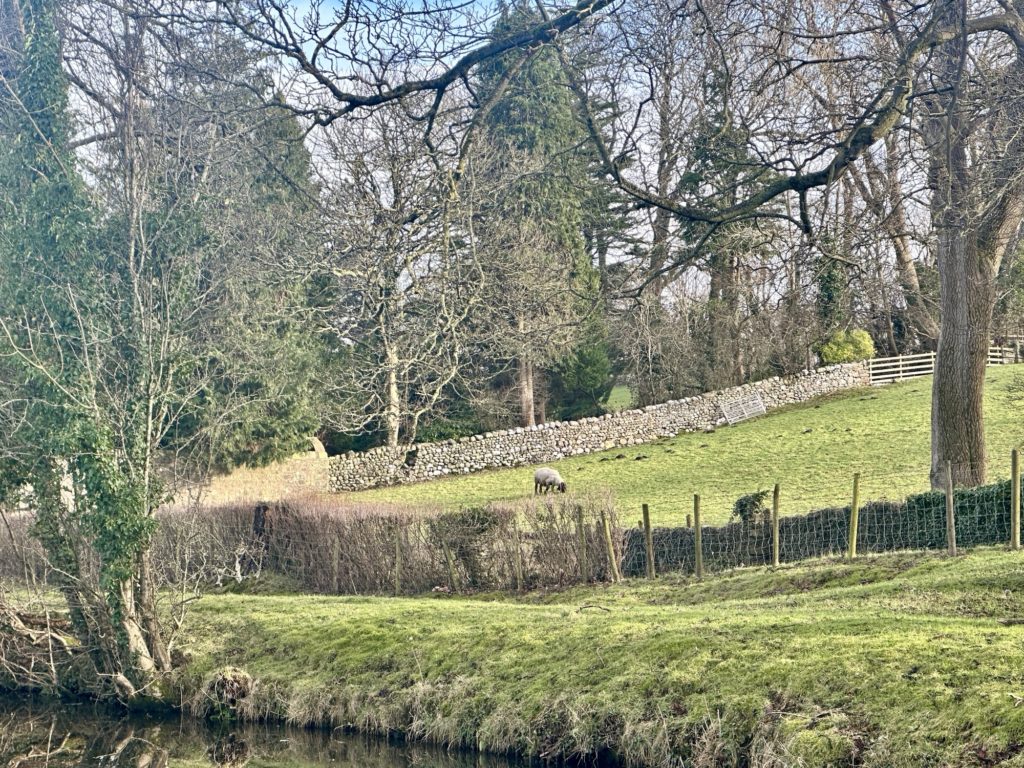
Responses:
[900,660]
[811,449]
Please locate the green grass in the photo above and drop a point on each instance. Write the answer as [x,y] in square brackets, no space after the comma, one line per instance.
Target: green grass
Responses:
[620,399]
[812,450]
[899,660]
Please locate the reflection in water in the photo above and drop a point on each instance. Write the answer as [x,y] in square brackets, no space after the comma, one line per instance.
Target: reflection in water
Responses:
[34,734]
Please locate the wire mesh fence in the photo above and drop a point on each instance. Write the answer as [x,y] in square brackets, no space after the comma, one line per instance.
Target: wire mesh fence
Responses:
[764,534]
[541,542]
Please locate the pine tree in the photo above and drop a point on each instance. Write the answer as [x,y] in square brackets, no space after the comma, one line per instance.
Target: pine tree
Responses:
[720,168]
[547,288]
[266,224]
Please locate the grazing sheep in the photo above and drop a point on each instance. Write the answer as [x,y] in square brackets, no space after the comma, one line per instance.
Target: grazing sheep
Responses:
[545,480]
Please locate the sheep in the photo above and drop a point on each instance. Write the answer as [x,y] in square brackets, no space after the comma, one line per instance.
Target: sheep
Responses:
[546,479]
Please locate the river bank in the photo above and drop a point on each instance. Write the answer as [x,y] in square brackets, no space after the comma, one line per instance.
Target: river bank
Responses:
[890,661]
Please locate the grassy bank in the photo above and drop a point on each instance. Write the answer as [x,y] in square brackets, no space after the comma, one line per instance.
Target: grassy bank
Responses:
[812,450]
[892,661]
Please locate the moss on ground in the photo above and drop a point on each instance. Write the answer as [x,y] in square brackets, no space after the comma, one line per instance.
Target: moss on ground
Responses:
[811,449]
[891,661]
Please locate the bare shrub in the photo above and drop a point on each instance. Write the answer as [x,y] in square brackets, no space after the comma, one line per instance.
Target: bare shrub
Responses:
[351,550]
[21,556]
[331,547]
[336,548]
[552,544]
[197,545]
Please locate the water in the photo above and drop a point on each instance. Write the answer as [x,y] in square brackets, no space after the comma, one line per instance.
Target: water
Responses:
[35,734]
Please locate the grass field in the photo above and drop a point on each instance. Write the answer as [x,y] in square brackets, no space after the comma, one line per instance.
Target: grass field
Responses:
[812,450]
[620,398]
[901,660]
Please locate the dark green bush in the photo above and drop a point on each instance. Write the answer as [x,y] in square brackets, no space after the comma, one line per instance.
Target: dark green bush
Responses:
[752,509]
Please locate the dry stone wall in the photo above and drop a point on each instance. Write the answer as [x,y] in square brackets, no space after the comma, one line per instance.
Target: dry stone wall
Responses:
[556,440]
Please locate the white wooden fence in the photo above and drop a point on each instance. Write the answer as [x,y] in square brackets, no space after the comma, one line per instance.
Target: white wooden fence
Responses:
[885,370]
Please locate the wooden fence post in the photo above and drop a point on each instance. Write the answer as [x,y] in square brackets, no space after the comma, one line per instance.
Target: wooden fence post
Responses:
[649,542]
[698,549]
[950,518]
[1015,499]
[613,565]
[689,520]
[775,526]
[854,517]
[398,559]
[581,533]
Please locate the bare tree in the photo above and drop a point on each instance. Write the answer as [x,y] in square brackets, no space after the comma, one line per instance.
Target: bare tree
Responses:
[974,167]
[407,282]
[531,308]
[881,185]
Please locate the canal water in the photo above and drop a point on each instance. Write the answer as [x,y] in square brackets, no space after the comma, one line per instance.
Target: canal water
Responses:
[35,734]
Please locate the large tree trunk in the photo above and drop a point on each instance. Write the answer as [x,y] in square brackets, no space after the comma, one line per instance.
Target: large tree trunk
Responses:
[977,208]
[958,427]
[723,307]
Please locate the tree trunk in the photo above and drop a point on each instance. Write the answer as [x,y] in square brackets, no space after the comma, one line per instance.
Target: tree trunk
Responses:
[723,321]
[601,249]
[977,209]
[958,427]
[890,332]
[526,410]
[142,660]
[661,225]
[897,228]
[148,615]
[393,409]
